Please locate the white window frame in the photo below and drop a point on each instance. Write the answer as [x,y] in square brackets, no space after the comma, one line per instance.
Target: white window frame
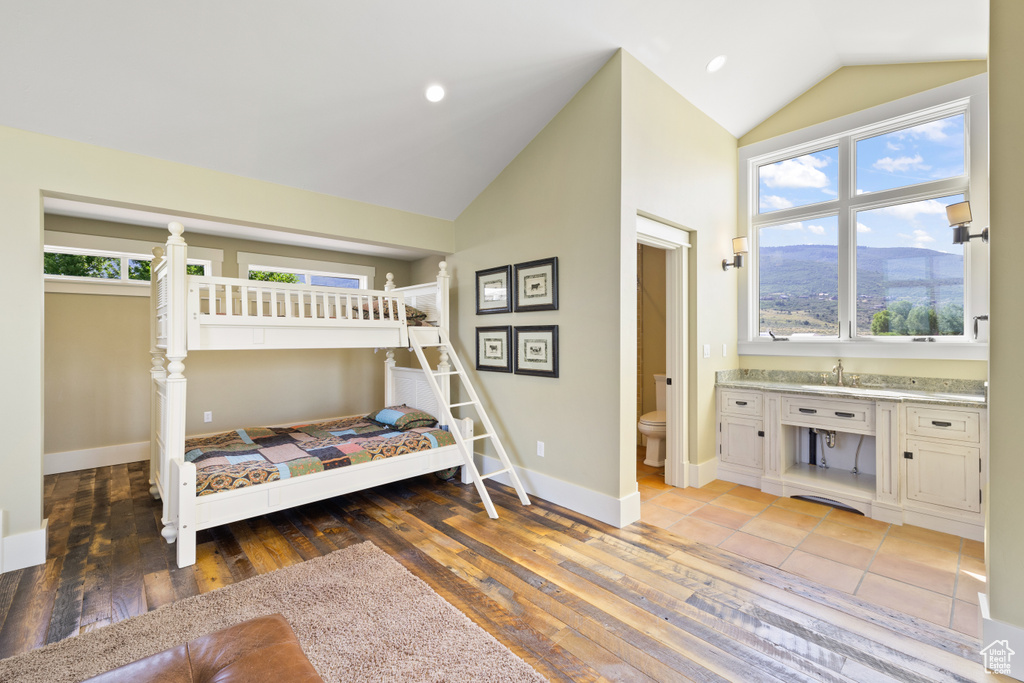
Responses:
[248,262]
[114,247]
[968,96]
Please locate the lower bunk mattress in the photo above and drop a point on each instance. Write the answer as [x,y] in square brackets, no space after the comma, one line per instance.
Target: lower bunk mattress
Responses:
[257,455]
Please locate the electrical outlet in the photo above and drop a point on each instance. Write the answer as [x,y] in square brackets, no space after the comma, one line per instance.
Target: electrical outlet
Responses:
[208,416]
[540,449]
[707,350]
[725,350]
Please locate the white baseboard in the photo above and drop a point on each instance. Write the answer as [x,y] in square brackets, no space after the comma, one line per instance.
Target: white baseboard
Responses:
[996,635]
[702,473]
[87,458]
[618,512]
[22,550]
[738,476]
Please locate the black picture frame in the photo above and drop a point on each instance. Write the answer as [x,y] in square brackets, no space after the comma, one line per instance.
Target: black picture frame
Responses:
[536,285]
[494,348]
[492,290]
[536,350]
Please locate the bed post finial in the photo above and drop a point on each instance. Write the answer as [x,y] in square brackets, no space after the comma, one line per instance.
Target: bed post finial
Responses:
[176,229]
[442,269]
[389,282]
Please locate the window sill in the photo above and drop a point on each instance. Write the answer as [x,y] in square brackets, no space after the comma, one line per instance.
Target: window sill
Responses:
[959,350]
[109,288]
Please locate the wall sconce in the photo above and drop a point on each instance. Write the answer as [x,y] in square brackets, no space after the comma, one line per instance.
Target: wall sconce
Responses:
[959,216]
[739,248]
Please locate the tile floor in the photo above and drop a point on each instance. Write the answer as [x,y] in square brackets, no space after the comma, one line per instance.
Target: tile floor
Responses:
[928,574]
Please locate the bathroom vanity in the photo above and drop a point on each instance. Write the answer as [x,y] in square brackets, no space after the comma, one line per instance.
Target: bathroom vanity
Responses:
[903,450]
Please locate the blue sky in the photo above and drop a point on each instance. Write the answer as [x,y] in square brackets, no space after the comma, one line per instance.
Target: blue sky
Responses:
[928,151]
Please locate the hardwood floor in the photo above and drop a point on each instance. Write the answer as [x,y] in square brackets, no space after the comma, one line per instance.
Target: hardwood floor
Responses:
[577,599]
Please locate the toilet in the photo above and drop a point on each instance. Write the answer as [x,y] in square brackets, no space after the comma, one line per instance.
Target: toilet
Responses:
[652,426]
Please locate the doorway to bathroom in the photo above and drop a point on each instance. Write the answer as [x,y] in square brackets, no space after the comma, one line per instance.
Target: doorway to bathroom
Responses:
[662,322]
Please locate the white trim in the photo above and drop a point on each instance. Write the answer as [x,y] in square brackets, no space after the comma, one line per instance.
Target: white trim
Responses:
[619,512]
[993,630]
[88,458]
[702,473]
[106,287]
[947,99]
[246,260]
[23,550]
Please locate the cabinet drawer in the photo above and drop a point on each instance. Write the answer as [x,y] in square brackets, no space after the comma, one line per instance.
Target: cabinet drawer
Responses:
[736,402]
[950,425]
[852,416]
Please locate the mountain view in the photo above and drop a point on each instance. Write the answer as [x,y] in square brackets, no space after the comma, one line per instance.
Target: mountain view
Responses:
[900,291]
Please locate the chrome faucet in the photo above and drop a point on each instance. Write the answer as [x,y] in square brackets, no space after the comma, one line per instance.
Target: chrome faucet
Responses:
[837,370]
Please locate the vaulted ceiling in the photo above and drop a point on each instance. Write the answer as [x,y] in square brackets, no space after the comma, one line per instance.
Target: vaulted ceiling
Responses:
[328,95]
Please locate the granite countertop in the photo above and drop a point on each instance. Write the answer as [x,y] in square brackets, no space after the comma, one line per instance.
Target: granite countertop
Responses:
[937,391]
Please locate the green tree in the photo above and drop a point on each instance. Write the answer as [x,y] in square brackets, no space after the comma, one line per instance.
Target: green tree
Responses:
[269,276]
[880,322]
[897,324]
[141,270]
[79,265]
[951,319]
[922,320]
[901,308]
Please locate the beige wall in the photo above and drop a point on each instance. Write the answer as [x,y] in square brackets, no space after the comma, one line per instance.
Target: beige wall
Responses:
[680,166]
[845,91]
[1005,503]
[559,197]
[97,359]
[855,88]
[33,165]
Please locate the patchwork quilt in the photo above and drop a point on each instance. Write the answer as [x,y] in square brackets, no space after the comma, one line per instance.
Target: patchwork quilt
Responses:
[256,455]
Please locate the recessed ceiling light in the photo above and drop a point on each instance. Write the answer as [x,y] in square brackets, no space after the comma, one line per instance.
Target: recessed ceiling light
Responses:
[435,93]
[716,64]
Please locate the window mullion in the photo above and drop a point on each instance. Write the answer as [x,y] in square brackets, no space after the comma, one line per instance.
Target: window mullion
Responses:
[847,269]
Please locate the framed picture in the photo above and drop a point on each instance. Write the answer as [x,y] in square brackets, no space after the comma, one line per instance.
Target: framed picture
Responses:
[494,348]
[537,350]
[537,285]
[492,295]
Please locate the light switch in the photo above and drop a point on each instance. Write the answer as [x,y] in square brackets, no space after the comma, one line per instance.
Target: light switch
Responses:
[707,350]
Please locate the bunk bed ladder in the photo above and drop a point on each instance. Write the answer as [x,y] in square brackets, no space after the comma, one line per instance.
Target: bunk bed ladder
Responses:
[465,445]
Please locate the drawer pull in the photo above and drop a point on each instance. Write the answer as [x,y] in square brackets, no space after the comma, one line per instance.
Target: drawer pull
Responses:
[839,414]
[741,403]
[809,411]
[937,423]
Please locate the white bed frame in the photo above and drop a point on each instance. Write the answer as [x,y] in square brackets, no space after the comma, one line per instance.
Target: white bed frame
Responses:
[191,313]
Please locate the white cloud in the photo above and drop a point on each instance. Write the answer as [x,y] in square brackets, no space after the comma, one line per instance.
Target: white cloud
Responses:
[920,238]
[891,165]
[799,172]
[830,192]
[786,226]
[911,211]
[934,131]
[774,202]
[816,229]
[893,147]
[863,228]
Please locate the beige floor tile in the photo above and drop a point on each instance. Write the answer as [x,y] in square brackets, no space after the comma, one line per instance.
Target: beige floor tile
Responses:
[680,504]
[856,521]
[744,505]
[791,518]
[971,579]
[773,531]
[698,494]
[862,537]
[839,551]
[966,618]
[721,516]
[919,552]
[804,506]
[659,516]
[719,486]
[646,493]
[914,573]
[936,538]
[700,531]
[973,549]
[823,570]
[756,548]
[906,598]
[753,494]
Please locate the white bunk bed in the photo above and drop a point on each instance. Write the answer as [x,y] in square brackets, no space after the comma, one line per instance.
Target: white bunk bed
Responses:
[192,313]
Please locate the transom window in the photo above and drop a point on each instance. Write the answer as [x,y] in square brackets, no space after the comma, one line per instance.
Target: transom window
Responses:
[849,236]
[94,264]
[271,268]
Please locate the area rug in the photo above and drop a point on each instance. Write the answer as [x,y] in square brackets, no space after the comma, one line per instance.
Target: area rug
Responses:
[359,615]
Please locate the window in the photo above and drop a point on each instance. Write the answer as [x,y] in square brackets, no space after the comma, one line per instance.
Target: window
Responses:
[91,264]
[268,268]
[850,244]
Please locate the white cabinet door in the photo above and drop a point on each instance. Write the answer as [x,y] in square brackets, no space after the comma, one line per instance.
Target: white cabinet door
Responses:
[742,443]
[942,473]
